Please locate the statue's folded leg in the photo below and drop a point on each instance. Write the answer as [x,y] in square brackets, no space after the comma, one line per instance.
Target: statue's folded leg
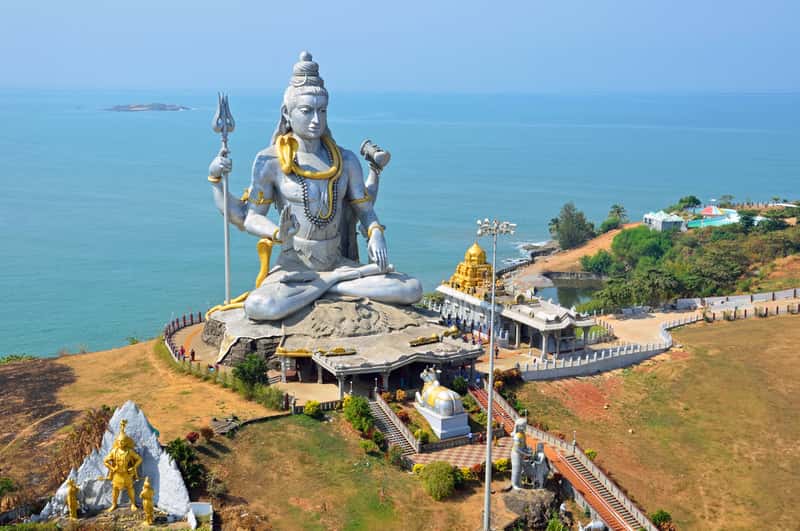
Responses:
[393,288]
[275,300]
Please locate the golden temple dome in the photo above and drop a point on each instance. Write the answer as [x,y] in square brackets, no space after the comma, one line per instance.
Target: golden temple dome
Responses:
[475,255]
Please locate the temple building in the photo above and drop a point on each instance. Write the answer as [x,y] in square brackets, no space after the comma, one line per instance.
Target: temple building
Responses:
[521,320]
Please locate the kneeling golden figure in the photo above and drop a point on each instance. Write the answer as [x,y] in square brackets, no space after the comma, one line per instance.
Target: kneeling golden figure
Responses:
[123,463]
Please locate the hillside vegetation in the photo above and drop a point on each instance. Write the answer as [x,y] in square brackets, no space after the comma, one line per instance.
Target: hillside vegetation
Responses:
[650,267]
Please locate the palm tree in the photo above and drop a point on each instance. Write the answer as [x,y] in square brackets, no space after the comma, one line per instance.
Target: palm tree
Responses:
[618,211]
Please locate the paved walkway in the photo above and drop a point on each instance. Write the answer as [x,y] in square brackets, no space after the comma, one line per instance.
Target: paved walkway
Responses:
[467,455]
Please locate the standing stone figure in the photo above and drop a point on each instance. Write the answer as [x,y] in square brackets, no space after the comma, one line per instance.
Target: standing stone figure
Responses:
[319,192]
[122,463]
[524,462]
[72,499]
[147,501]
[520,455]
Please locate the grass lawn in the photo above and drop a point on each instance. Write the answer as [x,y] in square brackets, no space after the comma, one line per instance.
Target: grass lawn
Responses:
[709,433]
[307,474]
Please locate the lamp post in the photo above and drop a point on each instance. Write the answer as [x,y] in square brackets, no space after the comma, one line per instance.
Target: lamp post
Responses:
[492,229]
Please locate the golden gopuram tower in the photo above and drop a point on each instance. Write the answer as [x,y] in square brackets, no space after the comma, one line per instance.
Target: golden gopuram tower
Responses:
[474,275]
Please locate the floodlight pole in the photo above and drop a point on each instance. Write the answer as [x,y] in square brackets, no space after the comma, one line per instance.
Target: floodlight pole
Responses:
[491,228]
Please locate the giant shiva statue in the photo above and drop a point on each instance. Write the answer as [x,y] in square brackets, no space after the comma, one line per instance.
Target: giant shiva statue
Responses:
[319,192]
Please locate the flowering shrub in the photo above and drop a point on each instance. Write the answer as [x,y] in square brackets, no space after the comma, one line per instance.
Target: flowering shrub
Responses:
[502,465]
[400,395]
[387,396]
[418,468]
[422,436]
[192,437]
[403,416]
[312,409]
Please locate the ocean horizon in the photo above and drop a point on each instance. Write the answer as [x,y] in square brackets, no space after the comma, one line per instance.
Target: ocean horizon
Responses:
[109,228]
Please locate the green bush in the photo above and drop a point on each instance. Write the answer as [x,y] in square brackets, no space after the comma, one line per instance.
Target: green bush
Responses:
[591,454]
[356,411]
[251,371]
[185,456]
[395,455]
[660,517]
[554,524]
[459,478]
[369,447]
[378,438]
[460,385]
[610,224]
[312,409]
[13,358]
[599,263]
[469,403]
[269,396]
[438,480]
[422,436]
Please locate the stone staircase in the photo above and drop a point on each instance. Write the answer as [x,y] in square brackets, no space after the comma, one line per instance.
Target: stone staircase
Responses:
[389,430]
[605,504]
[499,414]
[619,510]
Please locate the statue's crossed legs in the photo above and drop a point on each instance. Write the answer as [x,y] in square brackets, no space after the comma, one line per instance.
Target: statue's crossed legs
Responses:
[289,289]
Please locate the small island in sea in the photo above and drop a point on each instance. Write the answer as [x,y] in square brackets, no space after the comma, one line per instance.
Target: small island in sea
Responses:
[140,107]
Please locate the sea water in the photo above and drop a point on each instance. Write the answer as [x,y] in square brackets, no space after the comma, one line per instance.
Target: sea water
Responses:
[109,229]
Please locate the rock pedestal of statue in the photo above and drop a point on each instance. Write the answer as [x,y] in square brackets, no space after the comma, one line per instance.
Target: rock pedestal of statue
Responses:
[94,493]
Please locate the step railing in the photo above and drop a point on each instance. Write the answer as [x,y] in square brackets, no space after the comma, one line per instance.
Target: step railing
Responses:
[610,486]
[398,424]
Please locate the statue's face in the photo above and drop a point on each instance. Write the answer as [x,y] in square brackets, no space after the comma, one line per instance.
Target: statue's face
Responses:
[308,116]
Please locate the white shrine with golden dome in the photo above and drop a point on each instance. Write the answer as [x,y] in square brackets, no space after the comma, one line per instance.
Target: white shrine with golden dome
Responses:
[521,319]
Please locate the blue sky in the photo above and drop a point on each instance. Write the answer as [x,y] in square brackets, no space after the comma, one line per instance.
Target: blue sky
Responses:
[436,46]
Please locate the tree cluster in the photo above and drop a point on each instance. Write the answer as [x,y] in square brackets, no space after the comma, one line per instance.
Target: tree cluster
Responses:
[650,267]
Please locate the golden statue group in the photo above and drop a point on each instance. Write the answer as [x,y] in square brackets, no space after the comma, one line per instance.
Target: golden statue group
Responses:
[123,470]
[130,460]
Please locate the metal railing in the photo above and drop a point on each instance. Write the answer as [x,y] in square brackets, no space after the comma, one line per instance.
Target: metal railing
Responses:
[394,419]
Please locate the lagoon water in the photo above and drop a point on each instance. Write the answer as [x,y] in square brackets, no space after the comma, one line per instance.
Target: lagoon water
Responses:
[109,230]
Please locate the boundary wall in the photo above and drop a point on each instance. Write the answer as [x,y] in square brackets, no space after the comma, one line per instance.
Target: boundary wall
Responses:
[708,302]
[604,360]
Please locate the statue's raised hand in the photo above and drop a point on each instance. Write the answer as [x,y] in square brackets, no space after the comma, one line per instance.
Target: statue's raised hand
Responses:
[376,248]
[288,225]
[221,164]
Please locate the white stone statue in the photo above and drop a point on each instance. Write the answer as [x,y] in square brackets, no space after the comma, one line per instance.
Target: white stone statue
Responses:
[441,407]
[526,463]
[318,188]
